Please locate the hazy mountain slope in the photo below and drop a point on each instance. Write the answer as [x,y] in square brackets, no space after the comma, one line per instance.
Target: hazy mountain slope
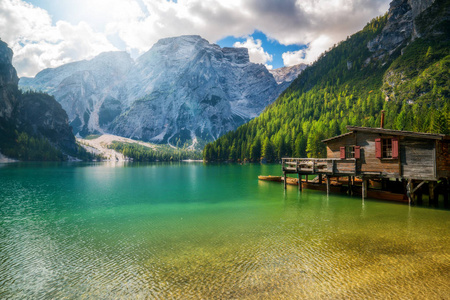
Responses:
[92,92]
[406,74]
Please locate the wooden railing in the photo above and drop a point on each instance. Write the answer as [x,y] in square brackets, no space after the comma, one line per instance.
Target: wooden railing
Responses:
[319,165]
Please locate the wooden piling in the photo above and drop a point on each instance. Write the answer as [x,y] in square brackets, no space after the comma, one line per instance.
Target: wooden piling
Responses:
[446,190]
[285,181]
[350,185]
[300,182]
[364,187]
[431,194]
[409,191]
[327,178]
[320,178]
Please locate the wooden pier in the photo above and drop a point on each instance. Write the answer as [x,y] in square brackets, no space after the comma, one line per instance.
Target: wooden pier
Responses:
[411,163]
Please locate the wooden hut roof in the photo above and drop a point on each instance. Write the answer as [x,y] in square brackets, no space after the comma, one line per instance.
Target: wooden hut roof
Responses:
[337,137]
[352,129]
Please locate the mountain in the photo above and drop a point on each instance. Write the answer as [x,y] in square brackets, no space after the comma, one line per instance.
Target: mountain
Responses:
[399,63]
[91,92]
[284,76]
[191,90]
[287,74]
[33,126]
[184,90]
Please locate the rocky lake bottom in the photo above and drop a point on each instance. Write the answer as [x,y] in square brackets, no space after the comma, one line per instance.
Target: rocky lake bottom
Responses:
[189,230]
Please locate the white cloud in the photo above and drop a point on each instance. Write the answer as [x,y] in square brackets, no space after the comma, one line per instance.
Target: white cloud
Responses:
[309,54]
[140,23]
[38,44]
[255,50]
[287,21]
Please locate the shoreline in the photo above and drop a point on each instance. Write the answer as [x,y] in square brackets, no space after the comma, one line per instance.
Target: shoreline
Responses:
[6,160]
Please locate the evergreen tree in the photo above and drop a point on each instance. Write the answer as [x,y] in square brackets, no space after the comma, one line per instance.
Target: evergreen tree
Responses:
[255,152]
[268,151]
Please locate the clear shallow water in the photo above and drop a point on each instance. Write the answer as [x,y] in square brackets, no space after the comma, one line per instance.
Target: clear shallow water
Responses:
[183,231]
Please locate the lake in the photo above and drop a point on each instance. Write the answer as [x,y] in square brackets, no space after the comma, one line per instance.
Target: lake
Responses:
[190,231]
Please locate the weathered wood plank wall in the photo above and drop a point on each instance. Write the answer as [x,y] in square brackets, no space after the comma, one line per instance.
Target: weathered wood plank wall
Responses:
[333,147]
[417,158]
[369,163]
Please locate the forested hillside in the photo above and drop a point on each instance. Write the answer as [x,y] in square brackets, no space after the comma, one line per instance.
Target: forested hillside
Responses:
[33,126]
[350,85]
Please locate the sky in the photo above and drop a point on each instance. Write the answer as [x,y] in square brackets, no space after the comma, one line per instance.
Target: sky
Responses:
[49,33]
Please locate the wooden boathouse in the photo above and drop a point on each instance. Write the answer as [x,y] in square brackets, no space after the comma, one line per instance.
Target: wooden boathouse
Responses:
[411,160]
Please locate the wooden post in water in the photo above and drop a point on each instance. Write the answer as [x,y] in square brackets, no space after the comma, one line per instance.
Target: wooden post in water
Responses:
[327,178]
[364,187]
[446,192]
[350,185]
[300,182]
[284,183]
[432,199]
[320,178]
[409,191]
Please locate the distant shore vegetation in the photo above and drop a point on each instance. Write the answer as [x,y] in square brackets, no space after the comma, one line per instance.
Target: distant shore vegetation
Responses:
[142,153]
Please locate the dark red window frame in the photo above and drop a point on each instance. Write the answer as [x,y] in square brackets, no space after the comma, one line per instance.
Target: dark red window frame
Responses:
[386,148]
[348,152]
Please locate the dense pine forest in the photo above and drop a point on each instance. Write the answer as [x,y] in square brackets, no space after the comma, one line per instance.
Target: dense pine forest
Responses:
[38,137]
[346,87]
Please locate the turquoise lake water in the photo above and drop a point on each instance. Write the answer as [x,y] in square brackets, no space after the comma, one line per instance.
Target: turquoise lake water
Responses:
[192,231]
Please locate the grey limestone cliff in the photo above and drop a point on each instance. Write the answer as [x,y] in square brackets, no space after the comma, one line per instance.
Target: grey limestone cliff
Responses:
[183,89]
[287,74]
[400,28]
[189,89]
[91,92]
[8,83]
[284,76]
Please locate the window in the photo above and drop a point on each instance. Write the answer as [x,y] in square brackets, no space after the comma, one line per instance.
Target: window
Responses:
[386,148]
[349,151]
[386,145]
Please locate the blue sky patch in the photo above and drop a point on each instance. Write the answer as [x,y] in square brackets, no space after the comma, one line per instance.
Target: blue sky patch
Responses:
[270,46]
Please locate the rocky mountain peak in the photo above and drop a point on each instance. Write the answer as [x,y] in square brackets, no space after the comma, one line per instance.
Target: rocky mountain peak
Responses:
[114,59]
[287,74]
[236,55]
[418,6]
[186,47]
[8,75]
[8,82]
[400,27]
[174,48]
[6,54]
[182,39]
